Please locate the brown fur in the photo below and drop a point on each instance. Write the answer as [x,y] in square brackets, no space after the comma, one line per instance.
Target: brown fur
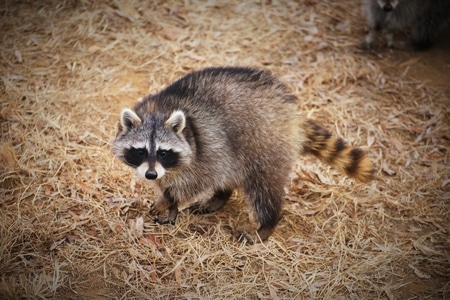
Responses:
[242,131]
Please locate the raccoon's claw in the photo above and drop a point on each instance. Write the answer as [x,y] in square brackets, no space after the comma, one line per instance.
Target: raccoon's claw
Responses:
[153,211]
[246,238]
[164,221]
[169,219]
[195,208]
[259,236]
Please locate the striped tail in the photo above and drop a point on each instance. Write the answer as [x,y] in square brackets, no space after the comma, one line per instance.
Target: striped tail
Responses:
[337,153]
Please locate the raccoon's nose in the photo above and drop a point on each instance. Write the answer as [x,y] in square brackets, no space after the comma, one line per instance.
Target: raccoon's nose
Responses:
[388,7]
[151,175]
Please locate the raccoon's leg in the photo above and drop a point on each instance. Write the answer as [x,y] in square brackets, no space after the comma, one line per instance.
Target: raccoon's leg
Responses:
[395,44]
[165,203]
[266,200]
[215,203]
[389,38]
[369,40]
[374,21]
[422,36]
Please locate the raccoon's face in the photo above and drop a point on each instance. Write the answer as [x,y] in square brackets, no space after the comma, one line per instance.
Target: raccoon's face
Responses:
[388,5]
[152,144]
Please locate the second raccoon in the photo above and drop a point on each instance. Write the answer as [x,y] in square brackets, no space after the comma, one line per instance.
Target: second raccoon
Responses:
[423,19]
[221,129]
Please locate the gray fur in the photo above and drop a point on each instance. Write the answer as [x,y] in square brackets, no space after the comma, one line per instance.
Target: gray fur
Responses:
[228,128]
[422,19]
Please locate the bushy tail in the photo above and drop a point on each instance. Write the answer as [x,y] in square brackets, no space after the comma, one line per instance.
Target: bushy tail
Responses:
[337,153]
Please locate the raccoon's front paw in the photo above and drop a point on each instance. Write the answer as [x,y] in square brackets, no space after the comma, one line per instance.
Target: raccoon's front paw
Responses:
[365,45]
[169,219]
[154,210]
[159,206]
[403,46]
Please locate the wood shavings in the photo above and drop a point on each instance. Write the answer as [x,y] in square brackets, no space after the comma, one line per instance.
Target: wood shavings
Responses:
[74,222]
[388,171]
[171,33]
[18,55]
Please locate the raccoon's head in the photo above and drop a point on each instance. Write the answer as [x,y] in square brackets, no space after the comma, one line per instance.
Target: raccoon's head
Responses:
[388,5]
[153,144]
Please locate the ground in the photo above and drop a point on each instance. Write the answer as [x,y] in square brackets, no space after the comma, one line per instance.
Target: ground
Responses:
[74,221]
[431,66]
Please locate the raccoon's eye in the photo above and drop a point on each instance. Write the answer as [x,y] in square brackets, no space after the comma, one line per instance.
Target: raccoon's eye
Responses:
[167,158]
[135,157]
[141,152]
[162,153]
[138,151]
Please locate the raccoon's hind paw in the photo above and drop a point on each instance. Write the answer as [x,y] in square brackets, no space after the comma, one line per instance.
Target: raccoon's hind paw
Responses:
[250,238]
[216,202]
[246,238]
[199,209]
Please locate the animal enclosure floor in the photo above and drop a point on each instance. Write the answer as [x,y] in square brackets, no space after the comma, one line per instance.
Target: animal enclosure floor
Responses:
[74,221]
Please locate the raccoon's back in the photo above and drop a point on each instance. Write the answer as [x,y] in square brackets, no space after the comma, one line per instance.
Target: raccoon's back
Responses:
[224,89]
[235,103]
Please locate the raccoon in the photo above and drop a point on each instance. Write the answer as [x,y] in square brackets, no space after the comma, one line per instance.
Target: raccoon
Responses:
[220,129]
[422,19]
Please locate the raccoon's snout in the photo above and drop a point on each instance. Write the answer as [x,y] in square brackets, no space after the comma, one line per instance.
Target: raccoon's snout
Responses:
[151,175]
[388,7]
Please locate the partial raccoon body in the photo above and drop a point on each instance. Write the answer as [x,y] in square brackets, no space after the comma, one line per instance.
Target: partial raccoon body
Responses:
[422,19]
[221,129]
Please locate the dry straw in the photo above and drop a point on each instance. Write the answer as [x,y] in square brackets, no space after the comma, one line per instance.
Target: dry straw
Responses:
[74,221]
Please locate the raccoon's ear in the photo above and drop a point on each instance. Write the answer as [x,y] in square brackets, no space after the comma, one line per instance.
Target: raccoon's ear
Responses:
[176,121]
[128,120]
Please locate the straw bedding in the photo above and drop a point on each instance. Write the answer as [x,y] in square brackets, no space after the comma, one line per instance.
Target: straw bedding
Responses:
[74,221]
